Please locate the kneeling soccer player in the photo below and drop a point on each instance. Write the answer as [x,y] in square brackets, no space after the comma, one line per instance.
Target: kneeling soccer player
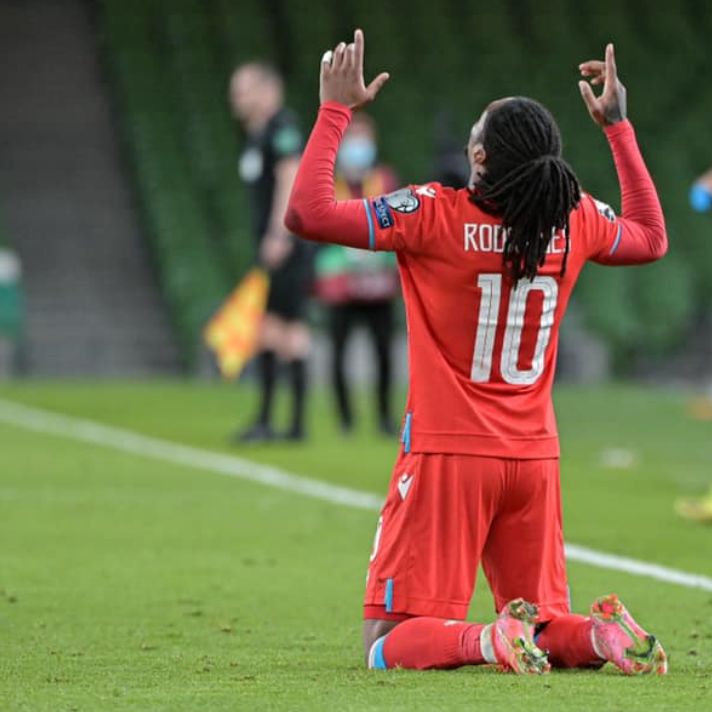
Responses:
[487,273]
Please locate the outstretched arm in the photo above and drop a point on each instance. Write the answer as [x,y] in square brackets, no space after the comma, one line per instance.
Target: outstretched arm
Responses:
[313,212]
[640,236]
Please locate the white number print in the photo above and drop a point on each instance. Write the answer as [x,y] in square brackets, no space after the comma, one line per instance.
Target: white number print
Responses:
[491,286]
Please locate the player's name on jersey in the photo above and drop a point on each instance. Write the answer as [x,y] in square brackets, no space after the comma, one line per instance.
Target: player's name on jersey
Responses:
[483,237]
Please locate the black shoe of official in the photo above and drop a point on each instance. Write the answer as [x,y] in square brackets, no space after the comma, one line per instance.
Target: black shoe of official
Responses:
[257,433]
[294,435]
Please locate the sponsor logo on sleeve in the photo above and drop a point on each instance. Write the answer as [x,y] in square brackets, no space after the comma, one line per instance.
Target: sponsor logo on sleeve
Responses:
[403,201]
[383,213]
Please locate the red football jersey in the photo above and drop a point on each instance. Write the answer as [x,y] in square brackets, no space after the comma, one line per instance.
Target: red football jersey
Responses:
[482,352]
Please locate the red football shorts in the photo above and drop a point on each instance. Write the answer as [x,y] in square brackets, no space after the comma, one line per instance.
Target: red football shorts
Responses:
[446,514]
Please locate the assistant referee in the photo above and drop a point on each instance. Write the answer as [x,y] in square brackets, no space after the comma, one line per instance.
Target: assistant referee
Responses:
[268,164]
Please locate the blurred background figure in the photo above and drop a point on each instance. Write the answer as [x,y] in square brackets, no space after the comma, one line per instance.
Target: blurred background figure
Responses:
[360,287]
[696,509]
[450,163]
[701,202]
[268,165]
[10,311]
[701,193]
[699,509]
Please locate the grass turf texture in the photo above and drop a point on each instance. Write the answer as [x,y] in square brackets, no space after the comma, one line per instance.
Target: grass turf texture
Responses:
[127,583]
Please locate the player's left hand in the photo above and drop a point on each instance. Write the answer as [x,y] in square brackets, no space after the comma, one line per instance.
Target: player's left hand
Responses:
[611,106]
[341,78]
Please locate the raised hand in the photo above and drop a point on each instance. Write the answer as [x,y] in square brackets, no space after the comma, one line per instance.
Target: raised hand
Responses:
[610,107]
[341,76]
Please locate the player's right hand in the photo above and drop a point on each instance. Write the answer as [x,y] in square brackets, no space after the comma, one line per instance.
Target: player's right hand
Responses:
[341,76]
[610,107]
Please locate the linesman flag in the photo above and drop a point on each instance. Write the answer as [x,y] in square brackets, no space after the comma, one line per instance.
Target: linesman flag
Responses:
[233,332]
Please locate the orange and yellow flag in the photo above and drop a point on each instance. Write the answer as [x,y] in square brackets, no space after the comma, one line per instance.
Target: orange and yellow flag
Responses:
[234,330]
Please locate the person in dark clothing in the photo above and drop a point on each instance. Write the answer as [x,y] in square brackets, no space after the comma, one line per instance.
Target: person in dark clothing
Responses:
[450,167]
[360,287]
[699,509]
[268,164]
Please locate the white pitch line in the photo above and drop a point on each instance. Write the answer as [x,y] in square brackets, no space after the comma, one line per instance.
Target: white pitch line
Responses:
[584,555]
[126,441]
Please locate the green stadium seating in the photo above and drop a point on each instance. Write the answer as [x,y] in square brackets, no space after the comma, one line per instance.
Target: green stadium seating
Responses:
[170,62]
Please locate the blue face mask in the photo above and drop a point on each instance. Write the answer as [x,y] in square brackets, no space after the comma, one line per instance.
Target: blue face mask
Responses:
[356,154]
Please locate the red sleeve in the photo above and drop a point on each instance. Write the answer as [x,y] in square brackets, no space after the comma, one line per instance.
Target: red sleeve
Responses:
[639,235]
[313,211]
[389,222]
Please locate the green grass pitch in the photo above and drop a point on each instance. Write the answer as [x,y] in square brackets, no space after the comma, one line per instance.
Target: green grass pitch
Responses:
[128,583]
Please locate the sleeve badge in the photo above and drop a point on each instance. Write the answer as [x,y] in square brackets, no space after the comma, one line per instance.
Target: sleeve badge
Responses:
[605,210]
[403,201]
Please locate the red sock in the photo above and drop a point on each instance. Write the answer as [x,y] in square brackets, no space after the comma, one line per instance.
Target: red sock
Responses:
[433,643]
[568,640]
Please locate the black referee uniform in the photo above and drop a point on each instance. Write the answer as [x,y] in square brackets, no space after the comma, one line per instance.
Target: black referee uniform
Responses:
[290,282]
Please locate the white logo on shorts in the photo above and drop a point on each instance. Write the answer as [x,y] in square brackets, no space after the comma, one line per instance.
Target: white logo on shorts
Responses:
[404,484]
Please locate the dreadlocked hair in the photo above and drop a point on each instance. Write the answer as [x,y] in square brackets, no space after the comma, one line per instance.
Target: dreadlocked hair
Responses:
[527,183]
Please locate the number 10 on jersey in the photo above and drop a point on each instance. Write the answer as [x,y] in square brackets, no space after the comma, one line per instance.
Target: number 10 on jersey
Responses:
[491,288]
